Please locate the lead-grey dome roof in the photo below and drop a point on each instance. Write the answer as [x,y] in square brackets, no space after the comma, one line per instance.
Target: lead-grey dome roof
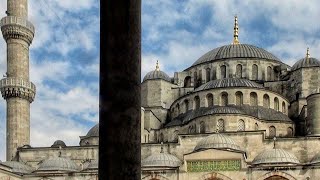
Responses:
[18,167]
[229,82]
[235,51]
[58,143]
[58,164]
[157,74]
[306,62]
[94,131]
[216,141]
[274,157]
[161,160]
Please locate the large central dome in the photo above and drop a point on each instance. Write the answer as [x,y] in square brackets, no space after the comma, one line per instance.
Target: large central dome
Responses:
[235,51]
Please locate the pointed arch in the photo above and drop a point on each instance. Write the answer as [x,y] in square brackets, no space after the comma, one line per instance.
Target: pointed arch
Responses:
[208,74]
[220,125]
[214,176]
[280,174]
[187,82]
[269,73]
[276,104]
[266,101]
[253,99]
[272,131]
[239,71]
[255,72]
[196,102]
[209,98]
[224,99]
[284,108]
[223,70]
[202,127]
[239,98]
[241,125]
[186,105]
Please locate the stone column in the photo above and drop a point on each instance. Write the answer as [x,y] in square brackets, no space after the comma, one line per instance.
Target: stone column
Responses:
[16,88]
[120,79]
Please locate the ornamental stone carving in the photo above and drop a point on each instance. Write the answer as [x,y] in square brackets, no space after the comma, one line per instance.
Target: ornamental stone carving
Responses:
[16,87]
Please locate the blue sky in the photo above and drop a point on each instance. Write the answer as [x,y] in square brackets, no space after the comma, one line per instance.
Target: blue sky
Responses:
[64,56]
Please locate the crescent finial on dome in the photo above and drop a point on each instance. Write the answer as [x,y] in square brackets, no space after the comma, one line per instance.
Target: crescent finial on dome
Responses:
[157,66]
[236,31]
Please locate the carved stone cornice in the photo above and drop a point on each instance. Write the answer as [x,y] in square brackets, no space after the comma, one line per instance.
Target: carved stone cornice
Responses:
[17,28]
[16,87]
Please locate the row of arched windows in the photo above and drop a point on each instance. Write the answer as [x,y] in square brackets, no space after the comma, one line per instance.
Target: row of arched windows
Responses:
[273,132]
[239,101]
[197,76]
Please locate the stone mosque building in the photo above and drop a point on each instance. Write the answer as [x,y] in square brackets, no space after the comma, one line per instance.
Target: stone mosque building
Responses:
[237,113]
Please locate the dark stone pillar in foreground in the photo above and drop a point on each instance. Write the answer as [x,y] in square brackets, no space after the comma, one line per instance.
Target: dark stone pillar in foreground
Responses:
[120,79]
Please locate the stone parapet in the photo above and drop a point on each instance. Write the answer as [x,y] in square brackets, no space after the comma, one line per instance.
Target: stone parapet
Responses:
[16,87]
[17,28]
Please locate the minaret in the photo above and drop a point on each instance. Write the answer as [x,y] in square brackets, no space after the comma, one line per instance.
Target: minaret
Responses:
[235,31]
[16,88]
[308,55]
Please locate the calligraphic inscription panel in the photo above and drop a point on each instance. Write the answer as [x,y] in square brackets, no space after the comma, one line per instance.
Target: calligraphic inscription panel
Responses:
[216,165]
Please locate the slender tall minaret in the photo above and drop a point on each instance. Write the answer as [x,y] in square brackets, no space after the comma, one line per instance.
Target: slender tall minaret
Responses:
[16,88]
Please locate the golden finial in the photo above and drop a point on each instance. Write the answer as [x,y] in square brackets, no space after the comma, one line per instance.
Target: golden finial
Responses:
[157,66]
[308,53]
[235,31]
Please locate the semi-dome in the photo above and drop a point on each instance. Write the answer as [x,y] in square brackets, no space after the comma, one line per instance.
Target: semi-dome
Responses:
[235,51]
[94,131]
[157,74]
[275,157]
[228,82]
[217,141]
[18,167]
[161,160]
[306,62]
[58,164]
[58,143]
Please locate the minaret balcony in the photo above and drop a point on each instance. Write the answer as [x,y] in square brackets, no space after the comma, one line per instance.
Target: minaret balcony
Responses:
[16,87]
[17,27]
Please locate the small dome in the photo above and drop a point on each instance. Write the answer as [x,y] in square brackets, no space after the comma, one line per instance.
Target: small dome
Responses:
[93,164]
[275,156]
[161,160]
[58,143]
[216,141]
[306,62]
[157,74]
[58,164]
[235,51]
[18,167]
[94,131]
[229,82]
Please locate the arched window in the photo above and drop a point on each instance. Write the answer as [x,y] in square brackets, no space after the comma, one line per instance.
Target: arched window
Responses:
[197,102]
[276,103]
[253,99]
[239,98]
[224,99]
[187,82]
[256,127]
[223,70]
[192,129]
[266,101]
[241,125]
[284,109]
[178,108]
[202,127]
[200,77]
[195,79]
[289,132]
[210,100]
[220,125]
[175,136]
[186,105]
[239,71]
[255,72]
[272,131]
[269,73]
[208,73]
